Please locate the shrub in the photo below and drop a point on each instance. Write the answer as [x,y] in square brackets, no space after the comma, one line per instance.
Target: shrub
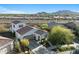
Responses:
[17,46]
[44,26]
[66,48]
[22,45]
[24,42]
[60,35]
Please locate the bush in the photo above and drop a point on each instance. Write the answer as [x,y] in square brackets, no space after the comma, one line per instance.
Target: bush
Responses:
[22,45]
[17,46]
[66,48]
[24,42]
[60,35]
[44,26]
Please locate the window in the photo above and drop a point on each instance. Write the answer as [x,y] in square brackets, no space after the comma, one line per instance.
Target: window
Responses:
[13,25]
[38,37]
[20,25]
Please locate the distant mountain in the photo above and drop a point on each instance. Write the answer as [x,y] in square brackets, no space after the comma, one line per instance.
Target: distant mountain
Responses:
[42,13]
[61,12]
[65,12]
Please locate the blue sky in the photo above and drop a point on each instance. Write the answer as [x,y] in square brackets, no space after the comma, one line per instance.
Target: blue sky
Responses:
[34,8]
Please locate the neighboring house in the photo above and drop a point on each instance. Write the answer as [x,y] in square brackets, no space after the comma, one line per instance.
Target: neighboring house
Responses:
[37,48]
[76,17]
[56,16]
[68,17]
[51,24]
[33,44]
[70,25]
[6,45]
[40,50]
[15,25]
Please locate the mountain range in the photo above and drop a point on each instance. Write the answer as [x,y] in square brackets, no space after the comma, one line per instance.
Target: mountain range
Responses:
[61,12]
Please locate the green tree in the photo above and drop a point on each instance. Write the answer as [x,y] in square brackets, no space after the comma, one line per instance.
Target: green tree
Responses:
[60,35]
[44,26]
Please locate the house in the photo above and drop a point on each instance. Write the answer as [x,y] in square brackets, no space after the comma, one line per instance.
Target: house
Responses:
[33,44]
[40,50]
[67,17]
[24,32]
[37,48]
[6,45]
[15,25]
[40,34]
[51,24]
[70,25]
[30,33]
[56,16]
[33,34]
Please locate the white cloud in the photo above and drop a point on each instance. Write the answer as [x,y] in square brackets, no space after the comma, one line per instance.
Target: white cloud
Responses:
[9,11]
